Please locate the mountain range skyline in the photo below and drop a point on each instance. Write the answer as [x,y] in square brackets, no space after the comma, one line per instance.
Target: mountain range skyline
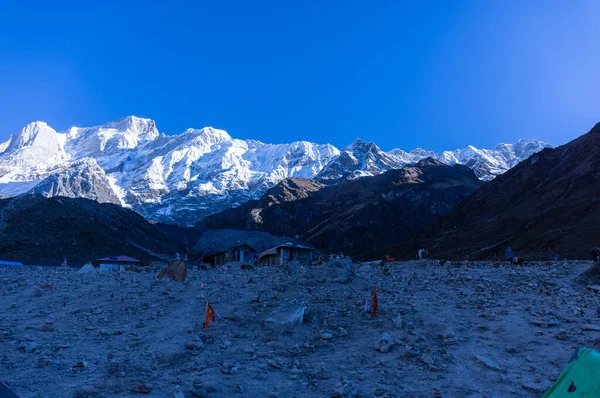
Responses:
[182,178]
[5,136]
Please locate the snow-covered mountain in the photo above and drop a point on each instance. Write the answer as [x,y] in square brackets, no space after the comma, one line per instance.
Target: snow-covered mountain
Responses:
[362,158]
[359,159]
[181,178]
[174,178]
[487,163]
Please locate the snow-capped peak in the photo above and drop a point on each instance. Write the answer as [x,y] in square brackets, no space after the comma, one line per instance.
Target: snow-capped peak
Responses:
[356,143]
[5,144]
[209,134]
[123,134]
[36,145]
[33,131]
[359,159]
[145,129]
[487,163]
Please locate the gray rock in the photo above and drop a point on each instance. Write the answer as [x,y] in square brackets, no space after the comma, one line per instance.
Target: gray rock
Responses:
[197,382]
[449,336]
[335,271]
[385,343]
[591,327]
[47,327]
[141,388]
[398,321]
[196,345]
[29,346]
[261,375]
[287,315]
[199,392]
[210,386]
[449,333]
[530,383]
[28,337]
[345,388]
[488,363]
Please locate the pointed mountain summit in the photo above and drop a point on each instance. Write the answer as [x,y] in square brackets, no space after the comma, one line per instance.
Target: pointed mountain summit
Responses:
[127,133]
[359,159]
[36,145]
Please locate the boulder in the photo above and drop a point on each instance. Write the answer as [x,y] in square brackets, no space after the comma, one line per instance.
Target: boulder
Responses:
[335,271]
[86,269]
[345,388]
[177,271]
[385,343]
[287,315]
[488,363]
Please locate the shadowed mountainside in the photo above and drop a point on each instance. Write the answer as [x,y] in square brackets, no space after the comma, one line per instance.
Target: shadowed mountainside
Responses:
[550,199]
[357,216]
[38,230]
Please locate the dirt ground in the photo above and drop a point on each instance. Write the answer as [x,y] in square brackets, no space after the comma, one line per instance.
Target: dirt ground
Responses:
[469,331]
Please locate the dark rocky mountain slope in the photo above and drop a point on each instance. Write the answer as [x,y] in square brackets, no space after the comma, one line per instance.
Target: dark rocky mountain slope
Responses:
[550,199]
[357,216]
[81,179]
[38,230]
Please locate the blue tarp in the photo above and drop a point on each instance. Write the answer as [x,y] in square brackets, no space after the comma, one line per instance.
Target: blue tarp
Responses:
[10,263]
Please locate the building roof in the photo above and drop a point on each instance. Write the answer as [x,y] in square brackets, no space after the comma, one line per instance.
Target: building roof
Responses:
[245,244]
[226,250]
[219,240]
[273,250]
[119,259]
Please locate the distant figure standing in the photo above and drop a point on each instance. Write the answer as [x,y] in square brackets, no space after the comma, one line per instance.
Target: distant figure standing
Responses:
[554,254]
[496,254]
[595,252]
[509,253]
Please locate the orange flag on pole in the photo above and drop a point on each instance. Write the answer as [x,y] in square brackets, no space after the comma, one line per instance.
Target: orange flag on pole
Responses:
[210,314]
[374,300]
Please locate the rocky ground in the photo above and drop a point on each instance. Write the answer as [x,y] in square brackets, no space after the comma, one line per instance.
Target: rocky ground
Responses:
[468,331]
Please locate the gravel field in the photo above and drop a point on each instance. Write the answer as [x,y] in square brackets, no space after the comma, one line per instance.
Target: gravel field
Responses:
[477,330]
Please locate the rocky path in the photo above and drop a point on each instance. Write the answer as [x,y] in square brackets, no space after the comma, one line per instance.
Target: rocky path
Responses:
[469,331]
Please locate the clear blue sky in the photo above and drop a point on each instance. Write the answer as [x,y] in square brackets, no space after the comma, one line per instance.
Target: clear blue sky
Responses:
[439,75]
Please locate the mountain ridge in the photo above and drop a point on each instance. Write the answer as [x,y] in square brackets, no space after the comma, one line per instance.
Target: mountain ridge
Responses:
[184,177]
[548,204]
[355,216]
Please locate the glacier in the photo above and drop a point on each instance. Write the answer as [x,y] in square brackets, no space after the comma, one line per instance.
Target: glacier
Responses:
[182,178]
